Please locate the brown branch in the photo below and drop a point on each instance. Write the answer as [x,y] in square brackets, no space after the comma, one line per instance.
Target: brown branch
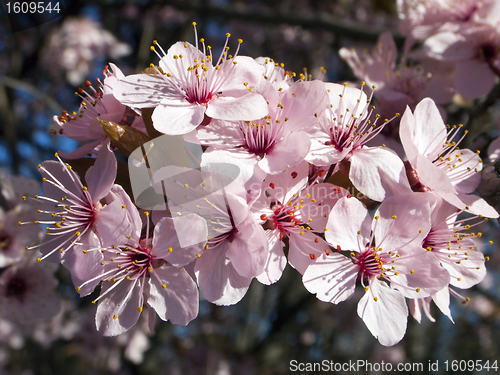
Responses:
[325,22]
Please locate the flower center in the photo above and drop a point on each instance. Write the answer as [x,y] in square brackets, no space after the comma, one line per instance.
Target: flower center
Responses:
[5,241]
[369,263]
[16,287]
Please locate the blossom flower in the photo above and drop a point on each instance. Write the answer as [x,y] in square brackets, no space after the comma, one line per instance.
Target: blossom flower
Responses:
[100,211]
[451,241]
[397,86]
[421,19]
[97,105]
[14,238]
[236,249]
[435,163]
[389,252]
[340,138]
[474,50]
[147,270]
[441,300]
[188,90]
[291,210]
[77,43]
[27,292]
[275,74]
[274,143]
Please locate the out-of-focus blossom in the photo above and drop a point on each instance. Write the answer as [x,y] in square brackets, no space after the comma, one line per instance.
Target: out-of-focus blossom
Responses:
[475,52]
[27,292]
[72,48]
[397,86]
[422,18]
[14,239]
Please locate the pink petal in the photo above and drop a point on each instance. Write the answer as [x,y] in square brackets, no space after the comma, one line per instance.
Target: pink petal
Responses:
[413,214]
[303,249]
[123,302]
[348,217]
[332,278]
[386,317]
[178,300]
[84,266]
[428,276]
[276,260]
[113,224]
[248,107]
[248,250]
[303,102]
[101,176]
[442,301]
[325,196]
[82,151]
[464,161]
[473,79]
[247,70]
[429,132]
[477,205]
[218,280]
[180,240]
[378,173]
[143,90]
[177,116]
[287,153]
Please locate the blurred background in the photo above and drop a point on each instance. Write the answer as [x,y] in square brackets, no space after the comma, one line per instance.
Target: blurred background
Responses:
[44,60]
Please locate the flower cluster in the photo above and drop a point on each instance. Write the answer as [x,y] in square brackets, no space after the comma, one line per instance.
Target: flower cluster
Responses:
[265,192]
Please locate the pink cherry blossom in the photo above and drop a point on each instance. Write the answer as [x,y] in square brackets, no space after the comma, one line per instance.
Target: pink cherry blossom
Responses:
[97,105]
[147,270]
[290,209]
[388,252]
[397,86]
[340,138]
[189,90]
[27,292]
[435,163]
[79,213]
[275,142]
[474,50]
[441,299]
[15,238]
[236,249]
[421,19]
[453,243]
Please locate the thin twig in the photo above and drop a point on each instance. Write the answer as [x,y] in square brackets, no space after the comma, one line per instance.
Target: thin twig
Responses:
[20,85]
